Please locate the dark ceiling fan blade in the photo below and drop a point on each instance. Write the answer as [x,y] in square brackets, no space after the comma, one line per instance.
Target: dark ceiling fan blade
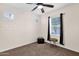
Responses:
[47,5]
[34,8]
[30,3]
[42,10]
[39,4]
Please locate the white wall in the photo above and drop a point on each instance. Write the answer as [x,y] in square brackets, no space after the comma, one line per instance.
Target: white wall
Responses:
[20,31]
[70,24]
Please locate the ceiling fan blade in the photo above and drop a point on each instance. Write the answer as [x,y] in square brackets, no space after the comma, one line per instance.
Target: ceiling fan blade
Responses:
[47,5]
[34,8]
[29,3]
[39,4]
[42,10]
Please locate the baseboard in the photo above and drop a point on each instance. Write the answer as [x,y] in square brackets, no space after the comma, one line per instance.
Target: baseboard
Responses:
[16,47]
[68,48]
[64,47]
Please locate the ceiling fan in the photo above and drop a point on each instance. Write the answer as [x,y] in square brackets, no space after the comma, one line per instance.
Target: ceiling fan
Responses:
[40,6]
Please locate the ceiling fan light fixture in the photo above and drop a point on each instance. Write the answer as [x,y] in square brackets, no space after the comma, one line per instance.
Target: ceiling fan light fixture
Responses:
[40,7]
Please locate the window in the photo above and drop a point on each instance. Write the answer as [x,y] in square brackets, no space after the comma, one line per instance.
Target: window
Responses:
[55,26]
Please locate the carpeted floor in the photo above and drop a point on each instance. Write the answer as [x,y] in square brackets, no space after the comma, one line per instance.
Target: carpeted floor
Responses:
[36,49]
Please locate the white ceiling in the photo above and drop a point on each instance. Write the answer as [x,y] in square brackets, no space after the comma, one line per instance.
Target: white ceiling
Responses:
[29,7]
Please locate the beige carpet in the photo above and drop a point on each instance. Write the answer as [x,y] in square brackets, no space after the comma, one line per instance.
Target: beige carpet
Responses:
[39,50]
